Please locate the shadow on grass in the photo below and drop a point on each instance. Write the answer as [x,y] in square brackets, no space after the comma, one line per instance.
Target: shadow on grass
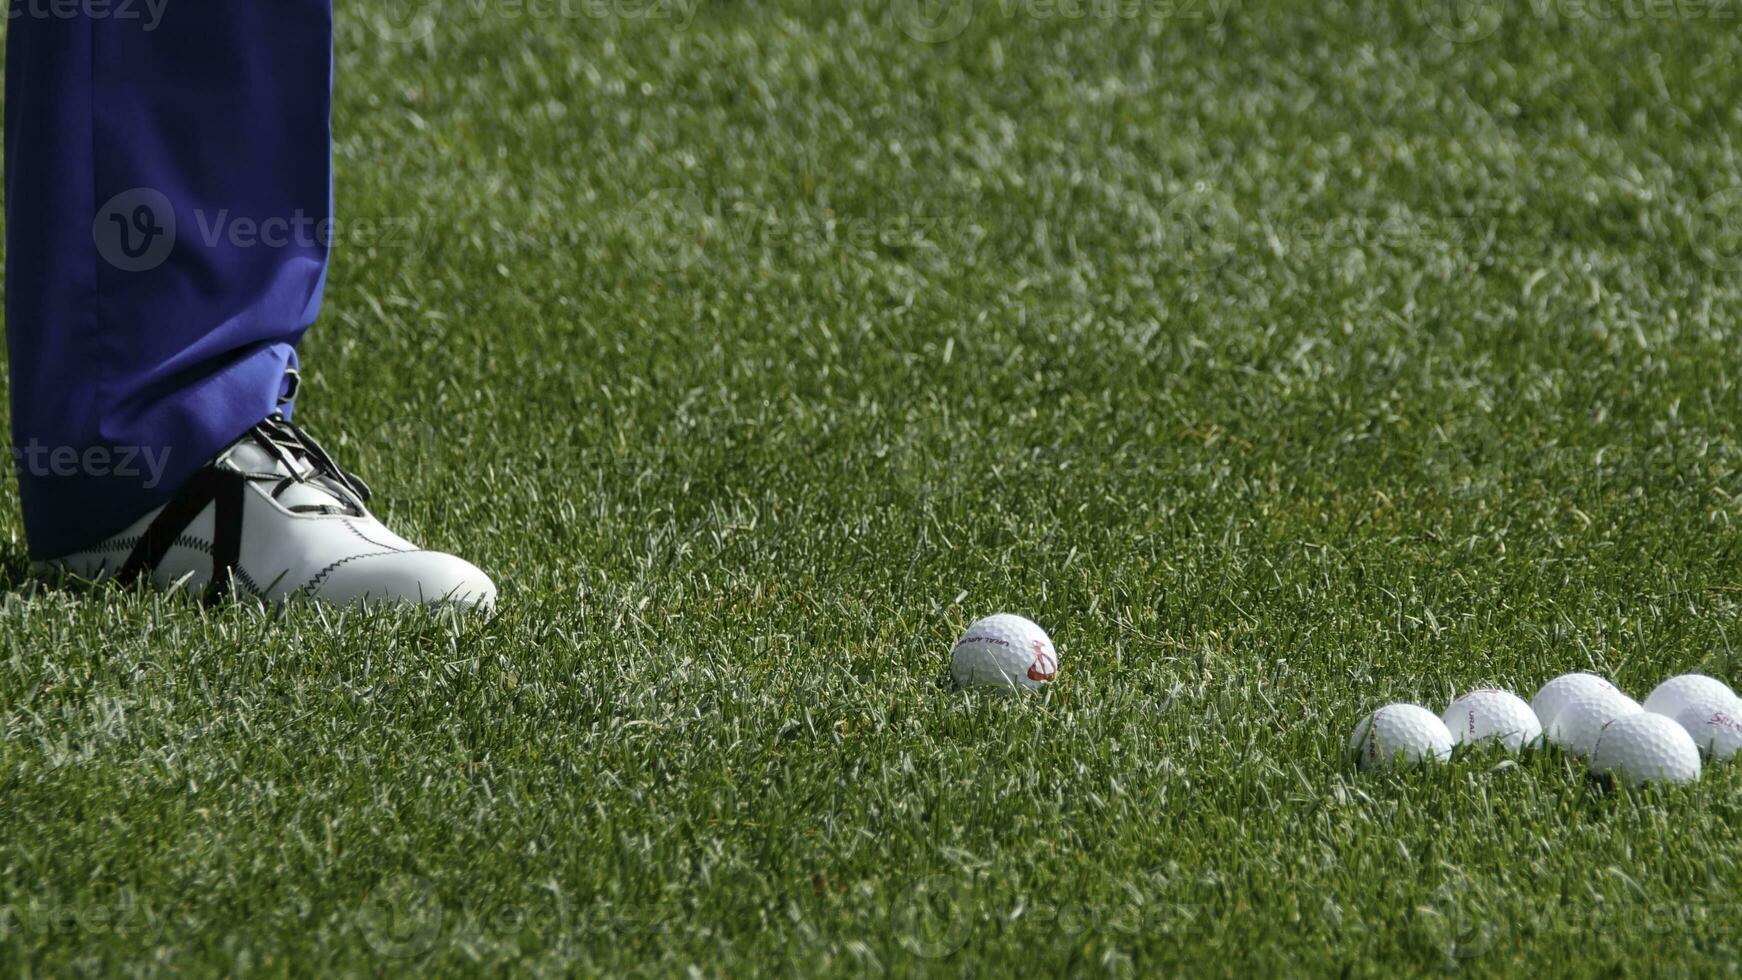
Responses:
[15,576]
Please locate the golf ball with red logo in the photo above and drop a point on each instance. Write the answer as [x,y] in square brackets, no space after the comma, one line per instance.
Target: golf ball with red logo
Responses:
[1670,697]
[1715,724]
[1004,651]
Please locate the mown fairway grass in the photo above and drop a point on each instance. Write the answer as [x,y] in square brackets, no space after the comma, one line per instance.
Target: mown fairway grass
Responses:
[1282,361]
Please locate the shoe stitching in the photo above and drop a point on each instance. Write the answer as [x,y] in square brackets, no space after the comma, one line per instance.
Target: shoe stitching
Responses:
[348,484]
[379,544]
[248,581]
[118,544]
[205,547]
[320,578]
[128,544]
[187,541]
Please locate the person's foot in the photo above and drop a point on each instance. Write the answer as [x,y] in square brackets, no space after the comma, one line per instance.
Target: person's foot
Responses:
[274,518]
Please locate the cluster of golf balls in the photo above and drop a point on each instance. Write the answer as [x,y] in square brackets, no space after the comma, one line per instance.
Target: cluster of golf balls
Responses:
[1660,741]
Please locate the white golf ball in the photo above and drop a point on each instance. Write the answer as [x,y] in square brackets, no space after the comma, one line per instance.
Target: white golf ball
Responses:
[1670,697]
[1577,726]
[1554,695]
[1399,735]
[1715,724]
[1004,651]
[1492,714]
[1646,748]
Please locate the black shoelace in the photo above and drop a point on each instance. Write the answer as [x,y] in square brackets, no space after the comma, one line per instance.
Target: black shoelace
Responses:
[223,489]
[299,451]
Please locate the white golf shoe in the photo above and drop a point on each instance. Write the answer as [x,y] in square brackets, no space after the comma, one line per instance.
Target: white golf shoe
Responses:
[274,518]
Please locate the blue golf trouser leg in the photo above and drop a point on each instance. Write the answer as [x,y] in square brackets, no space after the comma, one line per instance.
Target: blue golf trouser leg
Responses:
[168,215]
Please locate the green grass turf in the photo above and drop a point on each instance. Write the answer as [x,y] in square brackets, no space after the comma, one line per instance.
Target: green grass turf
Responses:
[1282,360]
